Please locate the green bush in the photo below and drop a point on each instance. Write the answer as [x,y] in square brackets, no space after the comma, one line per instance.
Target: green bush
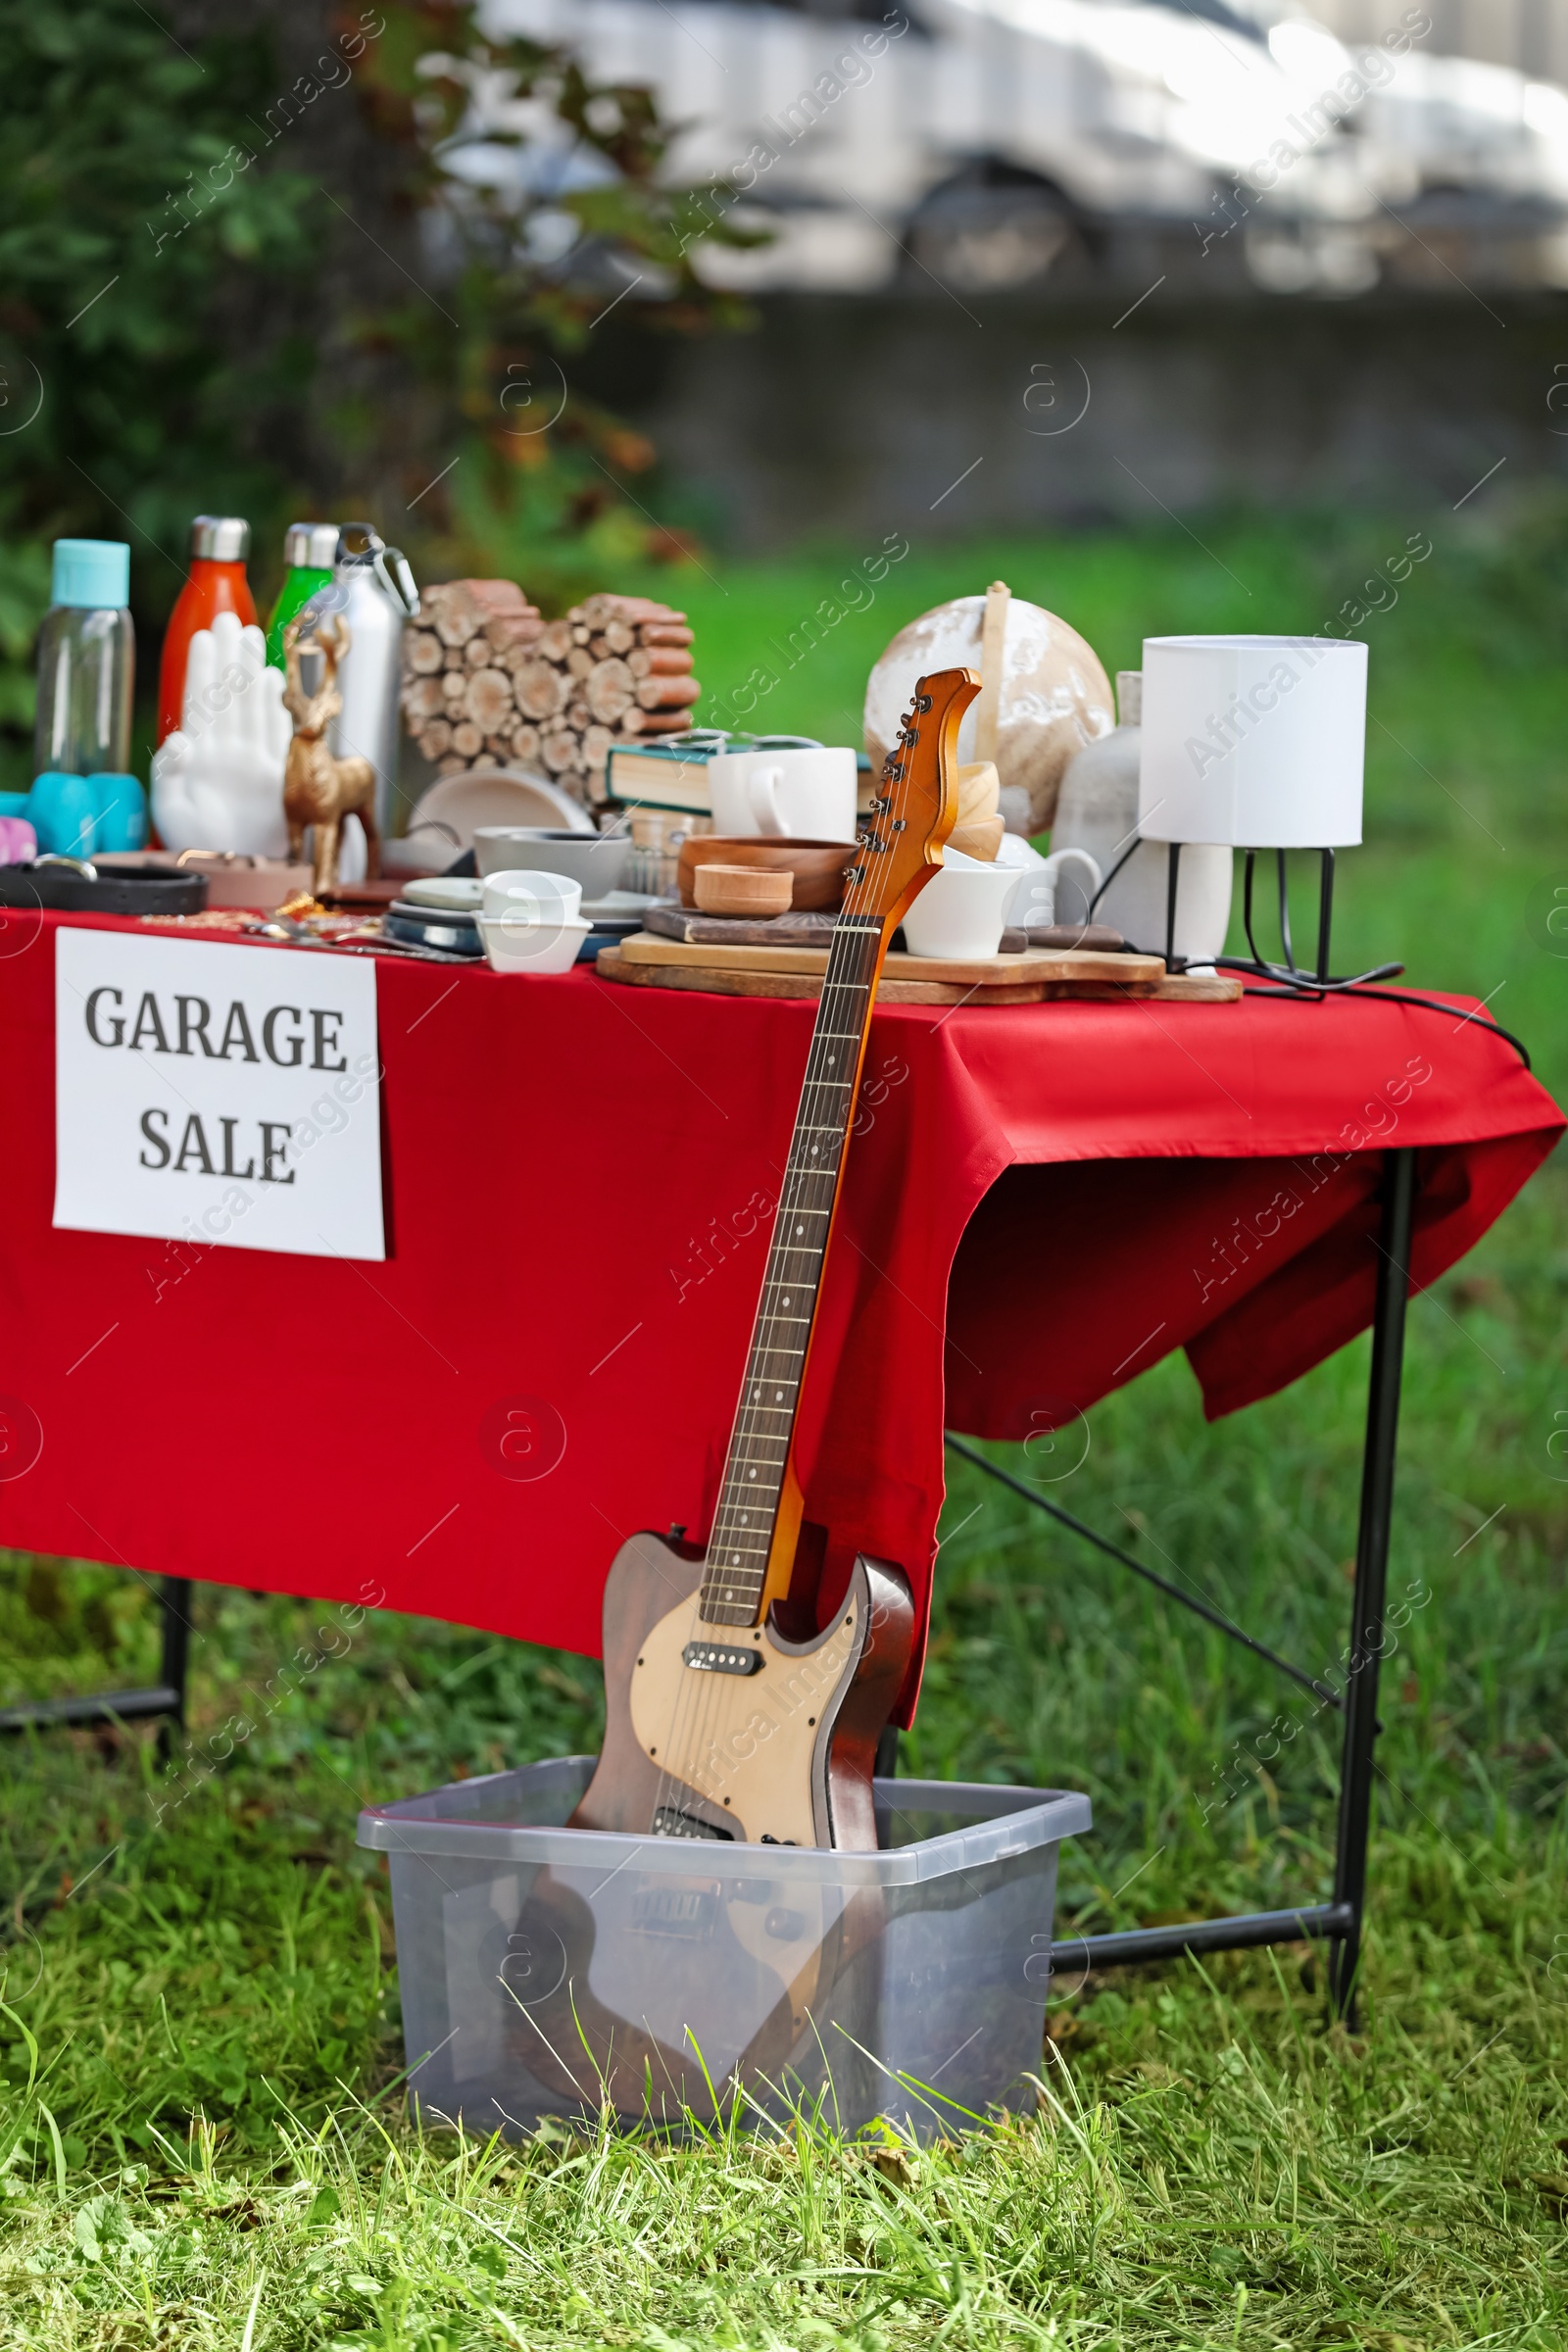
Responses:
[230,285]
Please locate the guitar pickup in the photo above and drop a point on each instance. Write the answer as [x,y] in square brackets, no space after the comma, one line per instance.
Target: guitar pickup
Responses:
[719,1657]
[671,1821]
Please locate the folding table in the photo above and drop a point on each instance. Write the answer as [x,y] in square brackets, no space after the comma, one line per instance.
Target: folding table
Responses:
[579,1180]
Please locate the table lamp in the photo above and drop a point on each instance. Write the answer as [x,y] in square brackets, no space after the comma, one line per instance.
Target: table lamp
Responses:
[1257,742]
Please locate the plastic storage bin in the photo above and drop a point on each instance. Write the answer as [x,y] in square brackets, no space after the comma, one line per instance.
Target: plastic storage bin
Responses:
[552,1972]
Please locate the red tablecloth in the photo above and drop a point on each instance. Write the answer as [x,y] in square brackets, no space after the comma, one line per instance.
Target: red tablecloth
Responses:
[579,1179]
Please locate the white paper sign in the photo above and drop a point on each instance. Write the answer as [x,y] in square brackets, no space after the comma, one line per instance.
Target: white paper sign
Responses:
[216,1093]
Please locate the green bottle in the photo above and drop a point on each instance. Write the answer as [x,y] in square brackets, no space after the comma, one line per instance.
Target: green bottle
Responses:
[309,550]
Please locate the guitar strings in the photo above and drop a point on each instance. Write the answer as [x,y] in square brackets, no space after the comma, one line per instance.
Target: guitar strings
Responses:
[840,1024]
[746,1580]
[684,1735]
[741,1514]
[838,1021]
[825,1106]
[855,935]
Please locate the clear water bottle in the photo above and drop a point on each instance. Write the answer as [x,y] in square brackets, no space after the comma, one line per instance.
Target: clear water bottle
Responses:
[86,663]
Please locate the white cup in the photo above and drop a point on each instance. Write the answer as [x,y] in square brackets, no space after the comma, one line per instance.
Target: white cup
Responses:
[522,895]
[809,795]
[962,910]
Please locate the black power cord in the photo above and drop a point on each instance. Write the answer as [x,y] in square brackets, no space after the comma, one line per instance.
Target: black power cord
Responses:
[1307,991]
[1288,980]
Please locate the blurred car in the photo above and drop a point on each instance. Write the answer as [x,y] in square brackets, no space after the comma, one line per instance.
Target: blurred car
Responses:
[988,145]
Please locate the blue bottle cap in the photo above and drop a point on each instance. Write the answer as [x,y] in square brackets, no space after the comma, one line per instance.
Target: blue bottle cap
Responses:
[93,573]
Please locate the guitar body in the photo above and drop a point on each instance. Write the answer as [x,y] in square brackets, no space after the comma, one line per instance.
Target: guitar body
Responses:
[780,1753]
[635,1964]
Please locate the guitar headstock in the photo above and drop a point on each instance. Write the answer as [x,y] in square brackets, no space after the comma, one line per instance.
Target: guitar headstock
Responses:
[916,805]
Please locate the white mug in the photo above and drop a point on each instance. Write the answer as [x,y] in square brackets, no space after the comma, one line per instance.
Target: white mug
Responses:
[809,795]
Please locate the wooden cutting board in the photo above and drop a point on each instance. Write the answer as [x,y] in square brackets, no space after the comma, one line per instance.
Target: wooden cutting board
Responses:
[614,963]
[1199,988]
[1140,973]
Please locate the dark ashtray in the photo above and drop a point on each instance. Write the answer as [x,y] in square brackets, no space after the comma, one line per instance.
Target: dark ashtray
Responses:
[434,927]
[97,886]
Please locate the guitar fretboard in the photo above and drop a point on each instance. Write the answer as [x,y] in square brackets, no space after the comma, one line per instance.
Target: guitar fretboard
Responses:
[764,1420]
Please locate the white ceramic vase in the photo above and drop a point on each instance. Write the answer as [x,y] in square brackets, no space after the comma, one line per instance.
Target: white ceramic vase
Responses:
[1097,811]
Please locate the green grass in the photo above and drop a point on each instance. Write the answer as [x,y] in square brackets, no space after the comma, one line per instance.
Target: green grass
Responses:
[209,2150]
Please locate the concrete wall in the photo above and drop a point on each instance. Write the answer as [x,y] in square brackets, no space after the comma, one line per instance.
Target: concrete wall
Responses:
[855,417]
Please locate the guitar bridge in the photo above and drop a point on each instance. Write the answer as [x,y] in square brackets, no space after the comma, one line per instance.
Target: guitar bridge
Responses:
[719,1657]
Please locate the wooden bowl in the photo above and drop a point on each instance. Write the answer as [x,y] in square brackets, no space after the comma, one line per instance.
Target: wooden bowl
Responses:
[981,838]
[754,890]
[816,866]
[979,791]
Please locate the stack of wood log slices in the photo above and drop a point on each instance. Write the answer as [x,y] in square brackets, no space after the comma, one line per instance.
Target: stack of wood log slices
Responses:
[487,682]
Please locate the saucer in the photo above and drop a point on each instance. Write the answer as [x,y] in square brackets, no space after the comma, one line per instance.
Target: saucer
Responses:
[425,927]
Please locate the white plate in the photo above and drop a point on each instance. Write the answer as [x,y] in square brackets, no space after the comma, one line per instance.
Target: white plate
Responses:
[456,894]
[618,902]
[496,795]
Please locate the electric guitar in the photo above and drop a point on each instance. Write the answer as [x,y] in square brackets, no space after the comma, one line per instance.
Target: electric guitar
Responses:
[725,1721]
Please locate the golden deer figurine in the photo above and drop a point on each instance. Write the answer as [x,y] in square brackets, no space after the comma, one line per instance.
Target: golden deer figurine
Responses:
[318,789]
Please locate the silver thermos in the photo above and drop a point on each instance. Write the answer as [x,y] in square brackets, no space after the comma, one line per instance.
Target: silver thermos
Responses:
[374,591]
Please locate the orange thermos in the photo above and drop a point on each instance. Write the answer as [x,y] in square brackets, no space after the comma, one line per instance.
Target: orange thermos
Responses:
[216,583]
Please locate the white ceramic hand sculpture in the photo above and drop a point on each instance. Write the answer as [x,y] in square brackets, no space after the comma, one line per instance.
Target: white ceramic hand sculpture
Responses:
[217,781]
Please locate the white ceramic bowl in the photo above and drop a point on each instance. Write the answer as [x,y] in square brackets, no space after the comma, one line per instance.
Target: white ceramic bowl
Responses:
[595,862]
[527,894]
[548,946]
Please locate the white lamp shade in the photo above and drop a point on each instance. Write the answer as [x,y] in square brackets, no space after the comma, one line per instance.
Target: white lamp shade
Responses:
[1255,741]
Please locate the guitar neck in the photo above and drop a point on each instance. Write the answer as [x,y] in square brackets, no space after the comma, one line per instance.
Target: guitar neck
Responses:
[738,1550]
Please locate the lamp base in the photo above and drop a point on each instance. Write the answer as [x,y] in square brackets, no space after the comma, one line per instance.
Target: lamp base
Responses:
[1288,973]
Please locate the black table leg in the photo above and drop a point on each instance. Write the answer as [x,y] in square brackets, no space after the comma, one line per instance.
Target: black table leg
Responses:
[166,1698]
[1371,1573]
[1338,1922]
[174,1600]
